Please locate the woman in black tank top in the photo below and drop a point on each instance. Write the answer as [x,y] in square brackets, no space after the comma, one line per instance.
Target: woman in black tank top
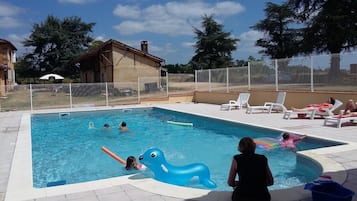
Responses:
[254,175]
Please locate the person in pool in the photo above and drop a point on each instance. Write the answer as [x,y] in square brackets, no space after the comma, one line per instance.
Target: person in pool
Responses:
[289,141]
[131,163]
[106,127]
[123,126]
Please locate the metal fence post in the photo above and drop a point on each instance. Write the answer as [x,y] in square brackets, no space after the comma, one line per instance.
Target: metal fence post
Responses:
[227,80]
[106,94]
[138,89]
[70,96]
[248,75]
[167,84]
[276,76]
[195,80]
[31,105]
[209,80]
[312,73]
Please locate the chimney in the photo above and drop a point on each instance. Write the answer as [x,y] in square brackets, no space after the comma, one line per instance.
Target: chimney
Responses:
[144,46]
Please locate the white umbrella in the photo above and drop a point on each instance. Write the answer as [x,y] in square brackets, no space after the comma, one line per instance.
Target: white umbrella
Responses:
[51,76]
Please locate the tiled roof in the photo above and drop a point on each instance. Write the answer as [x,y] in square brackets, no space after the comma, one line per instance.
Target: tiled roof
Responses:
[3,41]
[120,46]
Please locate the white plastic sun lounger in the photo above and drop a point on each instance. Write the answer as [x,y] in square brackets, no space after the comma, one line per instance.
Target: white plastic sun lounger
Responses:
[289,113]
[270,106]
[242,101]
[329,112]
[338,121]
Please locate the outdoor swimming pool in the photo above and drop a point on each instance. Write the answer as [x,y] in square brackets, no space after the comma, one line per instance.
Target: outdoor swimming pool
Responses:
[64,149]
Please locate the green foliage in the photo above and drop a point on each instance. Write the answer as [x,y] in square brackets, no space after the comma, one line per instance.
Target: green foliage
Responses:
[55,43]
[331,24]
[331,27]
[213,47]
[95,44]
[280,40]
[178,68]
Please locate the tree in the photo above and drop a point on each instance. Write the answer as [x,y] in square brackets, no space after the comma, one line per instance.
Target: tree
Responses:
[56,43]
[331,27]
[280,41]
[213,47]
[95,44]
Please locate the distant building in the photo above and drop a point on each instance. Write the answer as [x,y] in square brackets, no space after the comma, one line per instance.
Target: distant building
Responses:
[7,66]
[114,61]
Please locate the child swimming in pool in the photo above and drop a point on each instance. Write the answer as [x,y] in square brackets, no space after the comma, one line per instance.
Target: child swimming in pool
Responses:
[123,126]
[91,125]
[132,164]
[289,140]
[106,127]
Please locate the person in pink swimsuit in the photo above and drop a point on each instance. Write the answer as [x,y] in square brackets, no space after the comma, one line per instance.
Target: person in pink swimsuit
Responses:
[289,140]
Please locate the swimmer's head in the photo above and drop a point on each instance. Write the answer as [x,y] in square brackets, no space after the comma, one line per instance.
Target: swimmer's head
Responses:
[130,163]
[106,126]
[286,136]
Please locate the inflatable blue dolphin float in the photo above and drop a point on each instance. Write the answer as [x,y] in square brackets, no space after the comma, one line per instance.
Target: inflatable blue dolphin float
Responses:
[155,160]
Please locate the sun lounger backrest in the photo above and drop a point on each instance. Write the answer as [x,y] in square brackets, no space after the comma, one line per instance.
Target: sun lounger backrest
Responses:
[281,97]
[243,98]
[337,104]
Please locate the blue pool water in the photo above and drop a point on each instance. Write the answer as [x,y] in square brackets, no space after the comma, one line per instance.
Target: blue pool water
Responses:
[64,149]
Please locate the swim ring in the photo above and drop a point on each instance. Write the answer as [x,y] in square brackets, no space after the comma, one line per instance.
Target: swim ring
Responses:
[155,160]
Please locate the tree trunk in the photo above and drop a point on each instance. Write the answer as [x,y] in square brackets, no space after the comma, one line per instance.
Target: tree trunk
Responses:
[334,73]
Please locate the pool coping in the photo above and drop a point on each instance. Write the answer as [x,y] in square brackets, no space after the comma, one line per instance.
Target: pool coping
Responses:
[20,185]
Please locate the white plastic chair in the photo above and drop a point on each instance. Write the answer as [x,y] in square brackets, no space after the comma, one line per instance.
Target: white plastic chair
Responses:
[271,106]
[242,101]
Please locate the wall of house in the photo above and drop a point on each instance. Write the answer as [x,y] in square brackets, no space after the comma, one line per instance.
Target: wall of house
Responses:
[128,67]
[6,77]
[89,69]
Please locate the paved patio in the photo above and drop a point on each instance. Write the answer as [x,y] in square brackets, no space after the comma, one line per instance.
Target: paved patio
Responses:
[343,158]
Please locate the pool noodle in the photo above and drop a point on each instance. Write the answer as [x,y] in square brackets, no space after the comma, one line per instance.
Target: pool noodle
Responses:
[179,123]
[116,157]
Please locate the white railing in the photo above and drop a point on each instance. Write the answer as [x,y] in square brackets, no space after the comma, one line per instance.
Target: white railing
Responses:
[309,73]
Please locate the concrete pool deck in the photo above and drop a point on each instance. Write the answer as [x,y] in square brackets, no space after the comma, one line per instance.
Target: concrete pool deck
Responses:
[340,162]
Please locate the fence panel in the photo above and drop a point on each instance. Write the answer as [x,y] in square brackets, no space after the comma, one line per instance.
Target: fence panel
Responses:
[336,72]
[238,79]
[120,93]
[152,87]
[17,98]
[181,83]
[88,94]
[262,75]
[49,96]
[218,79]
[202,80]
[294,73]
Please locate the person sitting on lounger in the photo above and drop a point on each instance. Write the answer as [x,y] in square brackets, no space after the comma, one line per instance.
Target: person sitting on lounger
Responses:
[320,107]
[350,107]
